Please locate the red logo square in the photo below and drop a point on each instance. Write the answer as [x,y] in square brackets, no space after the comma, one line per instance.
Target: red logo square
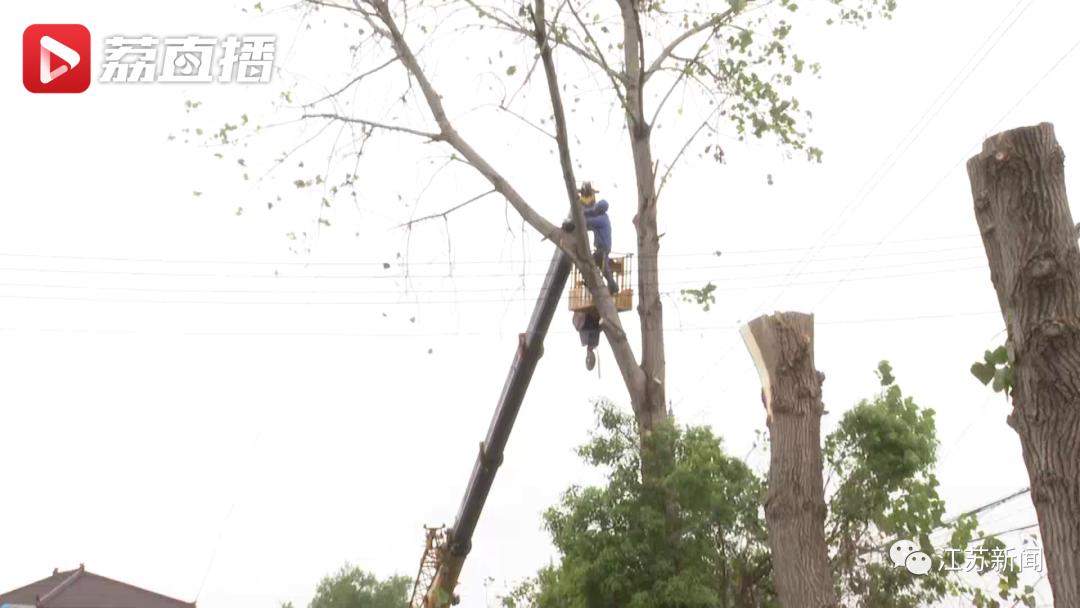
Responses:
[56,58]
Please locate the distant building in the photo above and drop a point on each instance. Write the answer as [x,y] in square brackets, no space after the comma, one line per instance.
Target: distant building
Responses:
[82,589]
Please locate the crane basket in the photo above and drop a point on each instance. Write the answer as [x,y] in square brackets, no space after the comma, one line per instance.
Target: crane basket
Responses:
[580,298]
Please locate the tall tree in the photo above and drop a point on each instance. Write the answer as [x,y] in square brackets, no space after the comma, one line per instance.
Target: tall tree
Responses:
[731,63]
[1018,186]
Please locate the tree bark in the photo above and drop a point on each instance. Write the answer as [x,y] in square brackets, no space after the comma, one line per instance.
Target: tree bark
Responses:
[653,407]
[782,346]
[1018,187]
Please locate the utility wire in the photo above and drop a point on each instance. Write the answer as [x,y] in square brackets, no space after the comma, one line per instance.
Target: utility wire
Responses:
[453,302]
[413,290]
[387,265]
[915,132]
[331,277]
[974,149]
[453,334]
[1045,75]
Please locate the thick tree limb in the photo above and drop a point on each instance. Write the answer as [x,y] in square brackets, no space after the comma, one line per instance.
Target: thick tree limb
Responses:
[624,355]
[650,307]
[450,135]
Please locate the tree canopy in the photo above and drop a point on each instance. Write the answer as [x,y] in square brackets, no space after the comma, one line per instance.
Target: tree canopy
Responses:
[351,587]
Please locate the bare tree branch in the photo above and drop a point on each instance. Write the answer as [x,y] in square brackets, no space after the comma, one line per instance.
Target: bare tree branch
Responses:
[605,304]
[686,145]
[616,79]
[713,24]
[450,135]
[377,125]
[351,83]
[682,75]
[410,223]
[513,27]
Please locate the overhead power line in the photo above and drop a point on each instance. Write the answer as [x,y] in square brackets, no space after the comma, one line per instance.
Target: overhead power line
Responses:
[697,281]
[926,197]
[382,263]
[455,301]
[914,133]
[962,160]
[448,334]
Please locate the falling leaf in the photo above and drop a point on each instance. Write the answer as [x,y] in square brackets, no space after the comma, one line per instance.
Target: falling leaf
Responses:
[510,71]
[430,350]
[197,193]
[239,211]
[412,319]
[386,265]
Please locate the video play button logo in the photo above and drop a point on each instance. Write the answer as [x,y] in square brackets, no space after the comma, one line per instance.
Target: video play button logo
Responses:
[56,58]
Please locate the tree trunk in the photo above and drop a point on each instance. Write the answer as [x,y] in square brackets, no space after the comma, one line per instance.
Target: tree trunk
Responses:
[653,402]
[1018,186]
[782,346]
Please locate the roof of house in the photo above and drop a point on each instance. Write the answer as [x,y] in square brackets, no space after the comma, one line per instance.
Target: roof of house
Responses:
[82,589]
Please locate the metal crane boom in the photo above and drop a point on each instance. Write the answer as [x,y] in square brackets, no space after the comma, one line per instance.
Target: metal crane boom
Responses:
[446,550]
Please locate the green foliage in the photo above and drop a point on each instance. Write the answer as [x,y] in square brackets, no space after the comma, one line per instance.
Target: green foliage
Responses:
[882,458]
[618,548]
[704,296]
[995,367]
[352,587]
[748,64]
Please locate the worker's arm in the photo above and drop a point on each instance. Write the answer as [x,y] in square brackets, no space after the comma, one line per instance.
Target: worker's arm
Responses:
[600,208]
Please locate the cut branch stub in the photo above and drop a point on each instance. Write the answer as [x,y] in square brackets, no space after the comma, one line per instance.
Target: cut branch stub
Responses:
[1018,189]
[778,344]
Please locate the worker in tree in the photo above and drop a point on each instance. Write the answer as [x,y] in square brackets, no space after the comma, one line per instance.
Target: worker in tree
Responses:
[588,327]
[596,220]
[587,322]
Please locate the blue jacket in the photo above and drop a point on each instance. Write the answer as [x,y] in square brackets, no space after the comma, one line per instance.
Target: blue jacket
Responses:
[596,219]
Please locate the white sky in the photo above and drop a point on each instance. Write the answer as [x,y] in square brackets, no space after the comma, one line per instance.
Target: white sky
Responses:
[263,445]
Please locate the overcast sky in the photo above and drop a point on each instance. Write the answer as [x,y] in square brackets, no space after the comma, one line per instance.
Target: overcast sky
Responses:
[193,402]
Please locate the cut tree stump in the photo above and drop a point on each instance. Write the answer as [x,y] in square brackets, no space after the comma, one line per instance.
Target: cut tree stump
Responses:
[1018,186]
[782,346]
